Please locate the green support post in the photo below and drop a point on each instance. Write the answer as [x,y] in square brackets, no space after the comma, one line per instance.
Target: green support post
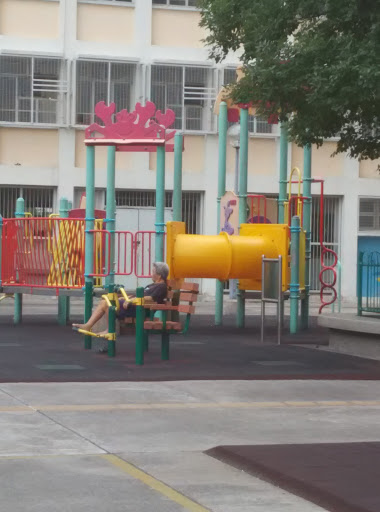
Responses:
[177,186]
[243,185]
[140,337]
[223,125]
[112,325]
[295,230]
[63,301]
[160,204]
[89,238]
[307,179]
[19,214]
[110,214]
[360,283]
[283,172]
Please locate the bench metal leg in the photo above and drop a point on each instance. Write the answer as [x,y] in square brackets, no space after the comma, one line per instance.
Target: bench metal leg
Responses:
[165,346]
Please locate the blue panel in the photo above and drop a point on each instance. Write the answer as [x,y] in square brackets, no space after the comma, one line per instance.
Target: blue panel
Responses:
[368,244]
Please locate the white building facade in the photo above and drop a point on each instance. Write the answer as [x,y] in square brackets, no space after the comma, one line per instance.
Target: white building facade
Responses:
[58,58]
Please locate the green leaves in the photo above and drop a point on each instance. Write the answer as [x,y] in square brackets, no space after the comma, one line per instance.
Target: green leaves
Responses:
[317,62]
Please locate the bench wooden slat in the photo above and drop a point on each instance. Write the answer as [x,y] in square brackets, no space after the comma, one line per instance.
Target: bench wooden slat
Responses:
[186,309]
[151,324]
[188,297]
[176,326]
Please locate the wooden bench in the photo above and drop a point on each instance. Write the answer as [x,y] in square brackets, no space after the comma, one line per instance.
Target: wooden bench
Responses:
[181,299]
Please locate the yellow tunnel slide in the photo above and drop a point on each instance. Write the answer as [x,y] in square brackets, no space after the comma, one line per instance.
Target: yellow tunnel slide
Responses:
[226,257]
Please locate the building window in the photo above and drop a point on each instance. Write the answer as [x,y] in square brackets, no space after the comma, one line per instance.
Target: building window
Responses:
[103,81]
[39,201]
[176,3]
[189,91]
[33,90]
[369,214]
[255,124]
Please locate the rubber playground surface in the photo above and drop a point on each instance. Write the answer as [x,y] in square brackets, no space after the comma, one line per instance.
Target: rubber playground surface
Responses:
[40,351]
[343,477]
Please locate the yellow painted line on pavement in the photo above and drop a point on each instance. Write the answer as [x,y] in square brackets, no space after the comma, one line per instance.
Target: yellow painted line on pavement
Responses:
[155,484]
[188,405]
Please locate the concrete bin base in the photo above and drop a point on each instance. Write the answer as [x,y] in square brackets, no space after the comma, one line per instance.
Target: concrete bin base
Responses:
[354,335]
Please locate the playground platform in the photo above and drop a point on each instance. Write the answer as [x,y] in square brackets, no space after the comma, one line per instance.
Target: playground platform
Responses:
[39,351]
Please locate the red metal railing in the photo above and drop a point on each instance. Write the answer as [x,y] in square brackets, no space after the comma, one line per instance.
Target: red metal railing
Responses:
[258,198]
[49,253]
[43,252]
[124,247]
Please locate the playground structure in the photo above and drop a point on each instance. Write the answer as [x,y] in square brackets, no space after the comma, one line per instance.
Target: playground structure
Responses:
[77,251]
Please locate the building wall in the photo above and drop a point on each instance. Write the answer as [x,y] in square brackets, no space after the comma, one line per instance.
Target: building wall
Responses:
[29,19]
[138,33]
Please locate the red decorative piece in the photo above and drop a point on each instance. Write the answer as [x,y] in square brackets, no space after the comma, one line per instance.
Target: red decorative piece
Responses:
[132,125]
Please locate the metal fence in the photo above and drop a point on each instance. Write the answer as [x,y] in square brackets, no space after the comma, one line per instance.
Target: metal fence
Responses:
[331,239]
[192,203]
[33,90]
[39,201]
[187,90]
[103,81]
[368,282]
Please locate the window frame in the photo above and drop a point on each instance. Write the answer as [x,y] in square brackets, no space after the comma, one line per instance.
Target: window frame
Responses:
[211,120]
[375,231]
[63,88]
[168,5]
[120,3]
[109,63]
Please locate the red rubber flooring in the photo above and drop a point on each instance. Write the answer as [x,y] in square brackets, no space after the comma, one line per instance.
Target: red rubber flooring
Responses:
[40,351]
[340,477]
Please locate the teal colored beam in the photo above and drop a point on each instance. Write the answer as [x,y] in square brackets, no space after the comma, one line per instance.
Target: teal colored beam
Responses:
[160,204]
[243,185]
[89,237]
[177,186]
[295,230]
[222,146]
[63,302]
[307,180]
[110,213]
[283,172]
[19,214]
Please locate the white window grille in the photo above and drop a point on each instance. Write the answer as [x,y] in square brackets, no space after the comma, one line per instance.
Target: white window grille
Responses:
[39,201]
[369,214]
[103,81]
[332,222]
[189,91]
[33,90]
[191,203]
[176,3]
[255,124]
[105,1]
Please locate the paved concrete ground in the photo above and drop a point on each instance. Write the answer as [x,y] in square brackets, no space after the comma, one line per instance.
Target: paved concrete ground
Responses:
[138,446]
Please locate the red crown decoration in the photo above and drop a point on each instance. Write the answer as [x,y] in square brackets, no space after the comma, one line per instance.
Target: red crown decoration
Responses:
[136,125]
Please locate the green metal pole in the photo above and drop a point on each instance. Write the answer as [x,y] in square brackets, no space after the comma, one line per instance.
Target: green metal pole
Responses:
[283,172]
[307,179]
[63,301]
[295,230]
[160,204]
[110,214]
[112,328]
[89,238]
[243,185]
[360,284]
[19,214]
[140,338]
[223,125]
[177,186]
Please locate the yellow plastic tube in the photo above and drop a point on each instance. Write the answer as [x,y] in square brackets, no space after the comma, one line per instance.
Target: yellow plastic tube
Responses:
[221,256]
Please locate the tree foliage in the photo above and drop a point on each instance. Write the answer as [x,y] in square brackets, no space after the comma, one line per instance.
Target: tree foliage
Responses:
[316,62]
